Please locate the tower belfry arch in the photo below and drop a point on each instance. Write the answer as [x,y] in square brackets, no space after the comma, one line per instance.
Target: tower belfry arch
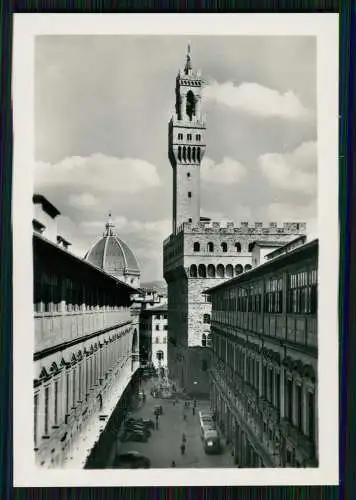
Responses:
[187,144]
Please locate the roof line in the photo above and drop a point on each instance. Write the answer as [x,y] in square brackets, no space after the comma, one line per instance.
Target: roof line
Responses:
[254,270]
[83,261]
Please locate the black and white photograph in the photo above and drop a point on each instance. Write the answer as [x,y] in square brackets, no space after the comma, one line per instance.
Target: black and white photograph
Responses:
[176,251]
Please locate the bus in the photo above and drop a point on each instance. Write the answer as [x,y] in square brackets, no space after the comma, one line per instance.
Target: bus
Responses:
[209,433]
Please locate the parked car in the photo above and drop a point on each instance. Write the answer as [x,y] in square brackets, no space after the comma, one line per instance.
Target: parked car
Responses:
[138,436]
[131,460]
[149,423]
[138,428]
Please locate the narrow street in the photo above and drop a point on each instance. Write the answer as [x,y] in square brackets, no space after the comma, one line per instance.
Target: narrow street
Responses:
[163,445]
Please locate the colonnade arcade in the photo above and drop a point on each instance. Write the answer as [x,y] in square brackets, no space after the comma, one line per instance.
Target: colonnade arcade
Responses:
[72,384]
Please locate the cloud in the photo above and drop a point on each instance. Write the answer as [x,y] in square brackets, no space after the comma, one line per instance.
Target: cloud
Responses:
[285,212]
[98,172]
[229,171]
[257,100]
[83,200]
[295,171]
[145,239]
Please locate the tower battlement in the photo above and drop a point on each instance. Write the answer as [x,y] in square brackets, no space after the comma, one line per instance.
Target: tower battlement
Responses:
[244,228]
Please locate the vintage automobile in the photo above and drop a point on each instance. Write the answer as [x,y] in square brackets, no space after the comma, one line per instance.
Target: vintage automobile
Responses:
[134,435]
[131,460]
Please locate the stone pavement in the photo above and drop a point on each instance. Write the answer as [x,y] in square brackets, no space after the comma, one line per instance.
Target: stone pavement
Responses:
[163,445]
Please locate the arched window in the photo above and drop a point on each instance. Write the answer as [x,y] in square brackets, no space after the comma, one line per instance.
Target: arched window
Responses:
[134,346]
[224,247]
[210,246]
[189,156]
[202,271]
[193,271]
[250,247]
[220,271]
[203,340]
[206,318]
[160,355]
[198,154]
[190,108]
[184,154]
[193,154]
[229,271]
[248,267]
[196,246]
[211,271]
[209,340]
[238,247]
[179,153]
[238,269]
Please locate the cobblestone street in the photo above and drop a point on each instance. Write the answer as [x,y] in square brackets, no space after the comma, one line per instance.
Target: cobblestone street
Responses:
[163,446]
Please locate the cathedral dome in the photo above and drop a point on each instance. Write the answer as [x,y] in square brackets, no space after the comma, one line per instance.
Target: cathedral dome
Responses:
[113,255]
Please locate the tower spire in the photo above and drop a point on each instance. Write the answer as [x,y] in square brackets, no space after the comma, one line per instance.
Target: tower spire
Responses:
[188,64]
[109,226]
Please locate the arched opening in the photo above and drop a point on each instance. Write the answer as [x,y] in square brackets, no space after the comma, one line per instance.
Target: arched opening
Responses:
[135,341]
[193,271]
[250,247]
[238,269]
[202,271]
[100,401]
[206,318]
[196,246]
[184,154]
[238,247]
[210,246]
[229,271]
[224,247]
[190,108]
[179,153]
[160,356]
[134,348]
[211,271]
[193,154]
[198,154]
[248,267]
[189,155]
[220,271]
[203,340]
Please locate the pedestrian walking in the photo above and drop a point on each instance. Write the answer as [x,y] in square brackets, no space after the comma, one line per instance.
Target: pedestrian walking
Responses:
[193,409]
[173,464]
[195,403]
[182,448]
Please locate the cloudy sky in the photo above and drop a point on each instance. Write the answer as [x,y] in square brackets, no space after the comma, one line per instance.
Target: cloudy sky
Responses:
[102,106]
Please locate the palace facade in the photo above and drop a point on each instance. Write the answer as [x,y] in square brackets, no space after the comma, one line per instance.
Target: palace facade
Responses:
[86,349]
[154,335]
[263,376]
[200,253]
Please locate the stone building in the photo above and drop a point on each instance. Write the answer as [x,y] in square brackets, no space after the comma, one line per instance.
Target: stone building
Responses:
[85,349]
[264,387]
[154,332]
[200,253]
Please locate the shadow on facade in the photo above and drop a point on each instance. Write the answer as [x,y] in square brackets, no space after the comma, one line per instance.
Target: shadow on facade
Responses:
[100,456]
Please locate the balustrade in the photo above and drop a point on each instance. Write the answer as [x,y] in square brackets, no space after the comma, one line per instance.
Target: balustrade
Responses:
[56,328]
